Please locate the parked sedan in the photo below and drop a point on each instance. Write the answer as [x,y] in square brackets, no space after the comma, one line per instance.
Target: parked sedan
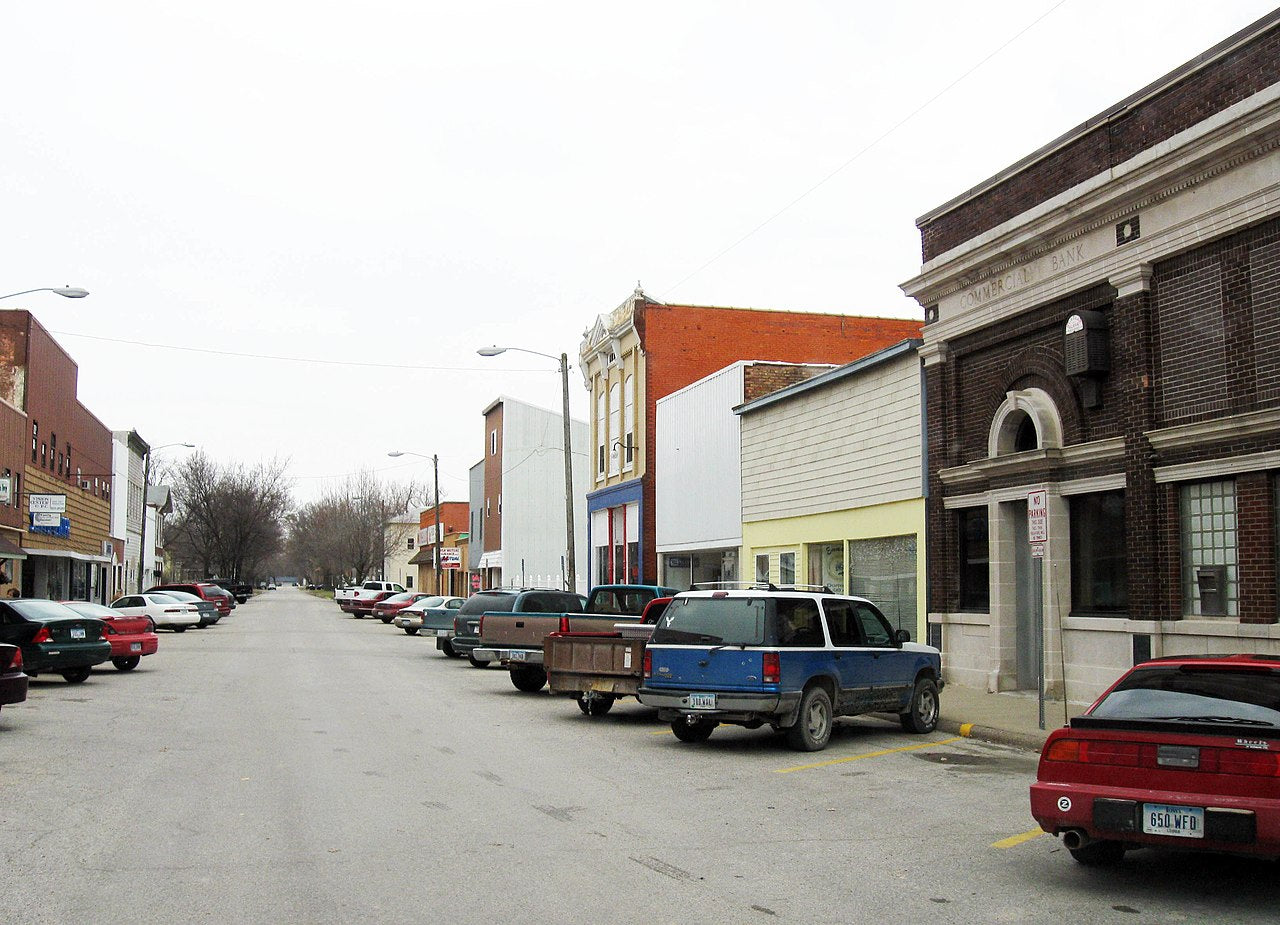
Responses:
[162,609]
[201,589]
[53,638]
[1181,752]
[388,607]
[130,637]
[13,681]
[418,615]
[208,610]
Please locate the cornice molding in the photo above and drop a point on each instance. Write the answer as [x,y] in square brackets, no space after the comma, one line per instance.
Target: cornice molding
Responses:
[1249,424]
[1019,463]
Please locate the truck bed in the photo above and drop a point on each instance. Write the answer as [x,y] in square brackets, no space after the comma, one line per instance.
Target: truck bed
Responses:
[528,630]
[606,663]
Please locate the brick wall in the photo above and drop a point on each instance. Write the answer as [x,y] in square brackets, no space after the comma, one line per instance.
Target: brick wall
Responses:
[1252,67]
[761,379]
[491,512]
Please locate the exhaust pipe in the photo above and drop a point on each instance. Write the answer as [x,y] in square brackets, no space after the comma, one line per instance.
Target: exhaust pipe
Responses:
[1075,839]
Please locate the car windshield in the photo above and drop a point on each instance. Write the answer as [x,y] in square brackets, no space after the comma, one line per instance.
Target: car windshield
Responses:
[90,609]
[371,586]
[729,621]
[42,610]
[486,601]
[1192,694]
[399,598]
[182,596]
[426,602]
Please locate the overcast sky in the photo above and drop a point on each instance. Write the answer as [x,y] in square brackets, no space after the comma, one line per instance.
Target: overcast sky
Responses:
[398,183]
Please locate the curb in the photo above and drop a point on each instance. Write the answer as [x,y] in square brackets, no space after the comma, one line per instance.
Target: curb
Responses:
[1032,742]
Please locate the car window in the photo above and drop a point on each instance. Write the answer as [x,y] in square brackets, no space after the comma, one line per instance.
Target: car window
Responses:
[875,629]
[1186,693]
[42,610]
[479,603]
[732,621]
[125,602]
[532,603]
[798,623]
[842,622]
[454,603]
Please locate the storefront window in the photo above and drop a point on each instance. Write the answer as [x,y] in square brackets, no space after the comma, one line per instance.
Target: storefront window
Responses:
[762,569]
[1210,582]
[787,568]
[975,586]
[1099,575]
[883,570]
[826,565]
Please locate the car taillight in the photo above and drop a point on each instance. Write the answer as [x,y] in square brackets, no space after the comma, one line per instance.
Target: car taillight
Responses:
[108,630]
[42,635]
[1125,754]
[16,664]
[564,624]
[771,670]
[648,663]
[1240,761]
[481,629]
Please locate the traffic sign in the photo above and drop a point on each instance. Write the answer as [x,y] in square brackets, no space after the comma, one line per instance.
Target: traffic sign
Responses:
[1038,516]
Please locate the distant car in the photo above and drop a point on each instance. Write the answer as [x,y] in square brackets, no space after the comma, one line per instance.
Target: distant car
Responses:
[53,638]
[388,607]
[1181,752]
[163,610]
[428,614]
[130,637]
[203,590]
[272,586]
[208,610]
[13,680]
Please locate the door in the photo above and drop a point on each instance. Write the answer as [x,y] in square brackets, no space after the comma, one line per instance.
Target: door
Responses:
[1025,636]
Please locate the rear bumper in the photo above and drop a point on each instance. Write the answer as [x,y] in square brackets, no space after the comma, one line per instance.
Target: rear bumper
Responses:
[55,657]
[515,656]
[124,646]
[467,645]
[731,706]
[13,687]
[1249,825]
[185,619]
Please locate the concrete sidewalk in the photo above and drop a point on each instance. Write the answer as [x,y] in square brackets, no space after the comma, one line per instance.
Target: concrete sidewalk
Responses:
[1011,718]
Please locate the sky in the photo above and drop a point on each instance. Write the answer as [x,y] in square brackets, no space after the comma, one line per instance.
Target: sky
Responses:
[298,221]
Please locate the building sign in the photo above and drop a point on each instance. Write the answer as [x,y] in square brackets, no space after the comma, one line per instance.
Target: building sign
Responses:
[424,539]
[475,581]
[51,524]
[6,490]
[48,504]
[1038,516]
[450,557]
[45,519]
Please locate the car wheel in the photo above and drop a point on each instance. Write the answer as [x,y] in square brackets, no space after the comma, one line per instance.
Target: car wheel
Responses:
[410,630]
[813,727]
[358,615]
[598,705]
[922,715]
[127,662]
[1099,853]
[385,619]
[76,675]
[698,731]
[475,662]
[447,648]
[528,679]
[179,629]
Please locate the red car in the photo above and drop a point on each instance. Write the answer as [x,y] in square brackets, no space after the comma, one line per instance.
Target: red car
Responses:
[1181,752]
[203,590]
[130,637]
[386,609]
[13,681]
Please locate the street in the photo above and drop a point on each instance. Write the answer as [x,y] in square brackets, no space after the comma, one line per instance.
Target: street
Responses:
[292,764]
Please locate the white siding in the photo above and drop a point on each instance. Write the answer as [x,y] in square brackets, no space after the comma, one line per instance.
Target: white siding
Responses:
[853,443]
[698,498]
[533,527]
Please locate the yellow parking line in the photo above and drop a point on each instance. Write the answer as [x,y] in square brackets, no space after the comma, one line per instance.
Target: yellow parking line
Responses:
[1015,840]
[887,751]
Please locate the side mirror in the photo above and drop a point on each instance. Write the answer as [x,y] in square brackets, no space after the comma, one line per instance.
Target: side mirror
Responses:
[902,636]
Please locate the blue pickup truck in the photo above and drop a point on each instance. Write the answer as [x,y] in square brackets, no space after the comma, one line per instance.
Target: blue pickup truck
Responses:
[793,660]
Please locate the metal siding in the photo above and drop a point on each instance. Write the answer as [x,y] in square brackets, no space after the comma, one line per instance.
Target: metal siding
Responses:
[853,444]
[475,544]
[698,498]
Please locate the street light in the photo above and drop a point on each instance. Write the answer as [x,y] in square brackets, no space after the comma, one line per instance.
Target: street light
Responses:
[563,360]
[146,477]
[435,468]
[67,292]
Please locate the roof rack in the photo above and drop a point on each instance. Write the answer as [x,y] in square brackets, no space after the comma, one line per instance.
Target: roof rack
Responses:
[758,586]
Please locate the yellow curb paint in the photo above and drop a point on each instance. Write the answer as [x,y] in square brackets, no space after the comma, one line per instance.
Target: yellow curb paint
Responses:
[887,751]
[1016,840]
[966,729]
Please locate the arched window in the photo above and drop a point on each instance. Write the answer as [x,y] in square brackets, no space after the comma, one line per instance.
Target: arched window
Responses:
[628,423]
[1026,420]
[615,427]
[601,440]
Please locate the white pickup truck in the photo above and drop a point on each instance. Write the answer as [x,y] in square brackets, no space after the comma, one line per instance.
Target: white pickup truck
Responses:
[344,592]
[362,600]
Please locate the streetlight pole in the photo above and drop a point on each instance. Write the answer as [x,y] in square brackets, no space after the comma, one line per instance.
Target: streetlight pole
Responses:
[146,478]
[435,470]
[570,552]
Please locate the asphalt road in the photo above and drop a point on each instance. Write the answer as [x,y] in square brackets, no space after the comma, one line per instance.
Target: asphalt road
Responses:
[292,764]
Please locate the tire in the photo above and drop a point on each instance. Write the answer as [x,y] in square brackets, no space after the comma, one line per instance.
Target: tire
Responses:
[179,629]
[385,619]
[922,714]
[699,731]
[812,730]
[1099,853]
[447,648]
[358,615]
[528,679]
[410,630]
[76,675]
[126,662]
[598,705]
[475,662]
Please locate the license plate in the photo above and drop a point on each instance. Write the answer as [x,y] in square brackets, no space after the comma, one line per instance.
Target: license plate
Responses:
[135,647]
[702,701]
[443,634]
[1178,821]
[77,632]
[515,655]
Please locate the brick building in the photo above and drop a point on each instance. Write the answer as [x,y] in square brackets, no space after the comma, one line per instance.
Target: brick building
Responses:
[1103,323]
[644,350]
[454,534]
[65,460]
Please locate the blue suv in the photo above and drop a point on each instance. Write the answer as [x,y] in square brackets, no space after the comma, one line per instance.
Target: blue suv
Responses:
[792,659]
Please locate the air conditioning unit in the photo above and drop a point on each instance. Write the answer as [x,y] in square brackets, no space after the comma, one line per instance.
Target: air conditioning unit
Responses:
[85,484]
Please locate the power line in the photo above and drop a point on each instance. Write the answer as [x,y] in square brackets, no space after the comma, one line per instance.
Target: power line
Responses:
[881,137]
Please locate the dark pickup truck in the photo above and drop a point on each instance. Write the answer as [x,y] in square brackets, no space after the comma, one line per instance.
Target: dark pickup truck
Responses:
[515,636]
[598,668]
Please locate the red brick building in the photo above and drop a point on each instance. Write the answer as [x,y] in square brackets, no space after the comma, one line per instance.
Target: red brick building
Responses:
[1103,324]
[644,350]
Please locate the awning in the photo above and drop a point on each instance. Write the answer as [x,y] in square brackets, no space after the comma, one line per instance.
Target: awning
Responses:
[64,554]
[424,556]
[10,549]
[491,559]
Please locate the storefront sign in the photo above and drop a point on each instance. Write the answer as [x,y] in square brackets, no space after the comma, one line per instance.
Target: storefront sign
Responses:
[45,519]
[450,557]
[49,504]
[475,582]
